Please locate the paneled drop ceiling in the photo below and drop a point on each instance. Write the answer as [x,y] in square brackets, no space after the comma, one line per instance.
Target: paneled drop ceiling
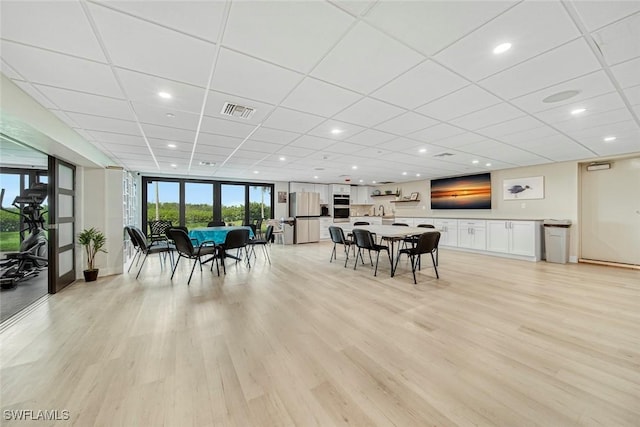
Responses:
[369,90]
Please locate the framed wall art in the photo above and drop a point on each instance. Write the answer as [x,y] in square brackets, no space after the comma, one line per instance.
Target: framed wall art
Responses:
[523,188]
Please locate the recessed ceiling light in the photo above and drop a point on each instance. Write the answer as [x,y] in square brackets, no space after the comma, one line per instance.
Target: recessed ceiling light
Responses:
[404,173]
[316,176]
[610,138]
[171,145]
[501,48]
[283,158]
[164,95]
[578,111]
[336,131]
[173,165]
[362,180]
[373,182]
[170,115]
[256,171]
[417,174]
[423,150]
[475,162]
[487,164]
[560,96]
[354,167]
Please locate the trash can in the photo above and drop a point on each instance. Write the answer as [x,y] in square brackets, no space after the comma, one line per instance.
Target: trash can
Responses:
[556,240]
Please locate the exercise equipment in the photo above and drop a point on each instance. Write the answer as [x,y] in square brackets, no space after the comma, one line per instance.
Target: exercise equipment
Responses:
[33,255]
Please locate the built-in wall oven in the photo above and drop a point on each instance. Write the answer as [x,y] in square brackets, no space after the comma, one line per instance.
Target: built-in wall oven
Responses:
[341,208]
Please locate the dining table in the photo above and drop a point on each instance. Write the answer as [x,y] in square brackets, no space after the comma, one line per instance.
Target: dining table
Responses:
[392,234]
[218,235]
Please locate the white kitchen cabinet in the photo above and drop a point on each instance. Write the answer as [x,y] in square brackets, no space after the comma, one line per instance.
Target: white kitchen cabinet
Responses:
[341,189]
[360,195]
[408,221]
[325,223]
[373,220]
[448,231]
[323,189]
[514,237]
[420,221]
[301,187]
[472,234]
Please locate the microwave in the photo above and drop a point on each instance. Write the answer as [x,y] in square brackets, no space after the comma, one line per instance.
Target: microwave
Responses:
[340,200]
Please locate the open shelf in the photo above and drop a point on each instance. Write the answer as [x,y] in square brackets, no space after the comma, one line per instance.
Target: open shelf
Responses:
[382,195]
[403,201]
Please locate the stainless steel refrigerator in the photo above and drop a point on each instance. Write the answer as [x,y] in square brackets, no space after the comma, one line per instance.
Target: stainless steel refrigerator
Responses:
[305,208]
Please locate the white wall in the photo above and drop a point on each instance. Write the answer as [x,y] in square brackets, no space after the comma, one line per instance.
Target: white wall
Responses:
[560,198]
[99,204]
[281,209]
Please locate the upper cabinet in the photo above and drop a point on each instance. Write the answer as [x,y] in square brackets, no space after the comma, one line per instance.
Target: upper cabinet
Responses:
[307,187]
[361,195]
[341,189]
[323,189]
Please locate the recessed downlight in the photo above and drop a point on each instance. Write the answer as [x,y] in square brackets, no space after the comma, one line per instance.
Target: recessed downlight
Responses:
[609,139]
[256,172]
[423,150]
[560,96]
[362,180]
[336,131]
[487,164]
[173,165]
[404,173]
[170,115]
[315,177]
[373,182]
[354,167]
[171,145]
[475,162]
[417,174]
[501,48]
[164,95]
[282,158]
[578,111]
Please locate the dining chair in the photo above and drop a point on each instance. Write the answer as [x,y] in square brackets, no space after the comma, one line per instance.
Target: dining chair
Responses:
[185,249]
[262,242]
[136,246]
[357,223]
[278,231]
[146,249]
[216,223]
[158,230]
[427,244]
[338,238]
[235,239]
[364,240]
[430,226]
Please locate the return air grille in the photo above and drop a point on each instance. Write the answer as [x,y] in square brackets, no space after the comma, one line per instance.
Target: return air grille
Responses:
[443,155]
[235,110]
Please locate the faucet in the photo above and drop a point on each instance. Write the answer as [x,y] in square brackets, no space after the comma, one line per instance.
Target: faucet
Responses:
[379,209]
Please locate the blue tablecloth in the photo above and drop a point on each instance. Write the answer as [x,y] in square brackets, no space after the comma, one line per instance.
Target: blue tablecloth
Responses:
[217,234]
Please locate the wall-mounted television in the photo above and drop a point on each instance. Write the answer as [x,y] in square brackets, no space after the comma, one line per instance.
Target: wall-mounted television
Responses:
[462,192]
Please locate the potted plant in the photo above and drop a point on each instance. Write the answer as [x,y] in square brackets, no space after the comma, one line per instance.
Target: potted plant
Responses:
[93,241]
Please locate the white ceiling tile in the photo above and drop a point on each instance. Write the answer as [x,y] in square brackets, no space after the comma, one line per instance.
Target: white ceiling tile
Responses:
[324,130]
[116,138]
[9,71]
[312,142]
[436,133]
[60,26]
[62,115]
[406,123]
[431,25]
[355,7]
[419,85]
[167,53]
[371,137]
[209,142]
[401,144]
[365,59]
[61,70]
[251,78]
[499,151]
[368,112]
[626,142]
[627,73]
[291,120]
[291,151]
[181,147]
[80,102]
[316,97]
[552,146]
[247,154]
[198,18]
[633,95]
[509,127]
[89,122]
[620,41]
[157,115]
[293,34]
[225,127]
[595,107]
[563,63]
[460,140]
[273,135]
[473,55]
[456,104]
[597,131]
[217,100]
[527,135]
[168,133]
[596,14]
[261,146]
[491,115]
[33,92]
[588,86]
[145,88]
[344,148]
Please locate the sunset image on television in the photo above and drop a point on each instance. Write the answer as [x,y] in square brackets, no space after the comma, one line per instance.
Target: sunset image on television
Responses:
[464,192]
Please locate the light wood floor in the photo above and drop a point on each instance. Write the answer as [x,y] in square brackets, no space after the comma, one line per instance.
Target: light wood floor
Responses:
[494,342]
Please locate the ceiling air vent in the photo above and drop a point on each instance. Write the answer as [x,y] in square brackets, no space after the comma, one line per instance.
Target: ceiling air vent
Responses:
[235,110]
[385,182]
[443,155]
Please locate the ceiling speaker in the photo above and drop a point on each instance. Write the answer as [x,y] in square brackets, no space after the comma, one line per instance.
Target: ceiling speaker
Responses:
[598,166]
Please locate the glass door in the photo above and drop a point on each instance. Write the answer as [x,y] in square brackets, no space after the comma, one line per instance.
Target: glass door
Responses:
[62,184]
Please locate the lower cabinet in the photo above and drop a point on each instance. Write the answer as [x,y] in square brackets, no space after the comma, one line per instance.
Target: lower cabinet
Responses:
[472,234]
[325,223]
[515,237]
[448,231]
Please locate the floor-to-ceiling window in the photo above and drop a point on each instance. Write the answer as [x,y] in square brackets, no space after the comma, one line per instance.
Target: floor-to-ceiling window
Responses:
[193,203]
[198,204]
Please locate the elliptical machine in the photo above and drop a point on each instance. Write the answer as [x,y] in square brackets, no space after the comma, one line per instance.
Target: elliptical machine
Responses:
[33,255]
